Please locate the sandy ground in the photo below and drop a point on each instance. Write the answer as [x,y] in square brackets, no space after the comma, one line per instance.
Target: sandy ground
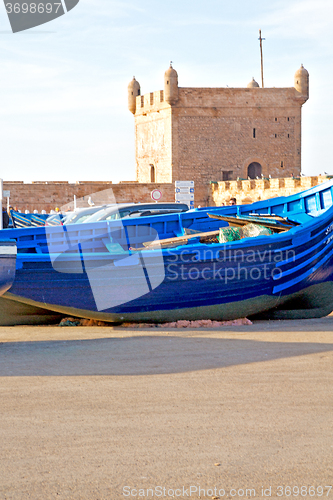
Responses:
[111,413]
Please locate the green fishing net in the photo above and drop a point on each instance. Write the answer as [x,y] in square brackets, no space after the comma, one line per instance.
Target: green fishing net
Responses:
[228,234]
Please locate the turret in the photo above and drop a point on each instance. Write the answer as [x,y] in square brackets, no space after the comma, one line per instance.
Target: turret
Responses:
[133,92]
[253,84]
[301,82]
[171,85]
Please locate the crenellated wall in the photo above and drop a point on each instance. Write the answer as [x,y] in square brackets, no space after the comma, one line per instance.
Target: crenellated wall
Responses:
[249,191]
[49,195]
[217,134]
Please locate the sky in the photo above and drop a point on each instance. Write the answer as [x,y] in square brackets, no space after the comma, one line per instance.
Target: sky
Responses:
[63,85]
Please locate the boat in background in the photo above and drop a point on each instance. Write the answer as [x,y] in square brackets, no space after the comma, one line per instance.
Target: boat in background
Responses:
[21,220]
[127,270]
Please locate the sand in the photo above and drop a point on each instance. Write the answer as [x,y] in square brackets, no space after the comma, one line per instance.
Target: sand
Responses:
[113,413]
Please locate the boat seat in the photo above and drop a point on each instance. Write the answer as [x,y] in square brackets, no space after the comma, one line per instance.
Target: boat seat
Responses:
[316,213]
[301,217]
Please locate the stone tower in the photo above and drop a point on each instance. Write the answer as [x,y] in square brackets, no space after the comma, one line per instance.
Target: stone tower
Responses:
[133,92]
[214,134]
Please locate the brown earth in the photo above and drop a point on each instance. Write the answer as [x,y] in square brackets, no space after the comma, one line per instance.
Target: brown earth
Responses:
[88,411]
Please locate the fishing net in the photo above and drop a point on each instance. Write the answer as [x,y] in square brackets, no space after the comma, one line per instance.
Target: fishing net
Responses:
[228,234]
[253,230]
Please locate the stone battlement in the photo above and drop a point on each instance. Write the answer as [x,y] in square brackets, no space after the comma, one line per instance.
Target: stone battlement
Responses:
[150,102]
[251,190]
[202,134]
[48,195]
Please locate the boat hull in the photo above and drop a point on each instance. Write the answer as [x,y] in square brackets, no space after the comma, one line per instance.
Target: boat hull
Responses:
[260,308]
[14,312]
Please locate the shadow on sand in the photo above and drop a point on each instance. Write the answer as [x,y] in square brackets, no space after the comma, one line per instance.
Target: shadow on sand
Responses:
[142,355]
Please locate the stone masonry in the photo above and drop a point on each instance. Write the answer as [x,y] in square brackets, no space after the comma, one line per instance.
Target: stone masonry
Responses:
[249,191]
[215,134]
[47,196]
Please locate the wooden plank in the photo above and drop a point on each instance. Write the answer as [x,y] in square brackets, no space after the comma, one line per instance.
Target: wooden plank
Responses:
[180,240]
[238,222]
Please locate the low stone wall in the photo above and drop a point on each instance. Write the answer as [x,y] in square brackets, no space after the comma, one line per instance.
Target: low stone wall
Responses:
[49,195]
[249,191]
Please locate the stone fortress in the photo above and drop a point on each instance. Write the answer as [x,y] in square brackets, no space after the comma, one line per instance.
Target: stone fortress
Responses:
[217,134]
[233,142]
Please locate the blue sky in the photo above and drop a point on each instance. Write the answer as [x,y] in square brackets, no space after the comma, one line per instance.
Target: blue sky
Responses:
[63,86]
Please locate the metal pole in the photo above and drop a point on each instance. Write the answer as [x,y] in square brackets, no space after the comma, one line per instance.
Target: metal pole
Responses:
[262,61]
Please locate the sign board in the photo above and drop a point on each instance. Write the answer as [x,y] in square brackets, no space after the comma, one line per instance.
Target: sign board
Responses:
[184,190]
[156,195]
[184,184]
[6,194]
[190,204]
[184,196]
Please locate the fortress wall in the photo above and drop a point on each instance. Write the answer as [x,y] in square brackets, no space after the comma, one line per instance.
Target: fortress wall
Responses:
[249,191]
[47,196]
[211,132]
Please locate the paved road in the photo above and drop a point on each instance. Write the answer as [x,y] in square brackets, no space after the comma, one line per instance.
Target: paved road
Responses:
[98,413]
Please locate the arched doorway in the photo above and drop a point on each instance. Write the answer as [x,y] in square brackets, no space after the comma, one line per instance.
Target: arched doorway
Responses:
[152,173]
[254,170]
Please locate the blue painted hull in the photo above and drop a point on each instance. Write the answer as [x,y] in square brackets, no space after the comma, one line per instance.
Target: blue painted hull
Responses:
[89,271]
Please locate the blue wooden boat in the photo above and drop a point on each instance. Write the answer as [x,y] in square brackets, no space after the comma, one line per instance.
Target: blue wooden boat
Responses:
[21,220]
[104,270]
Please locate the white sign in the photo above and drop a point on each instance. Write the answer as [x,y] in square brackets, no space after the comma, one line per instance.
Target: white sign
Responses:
[184,190]
[189,203]
[6,194]
[184,196]
[184,184]
[156,195]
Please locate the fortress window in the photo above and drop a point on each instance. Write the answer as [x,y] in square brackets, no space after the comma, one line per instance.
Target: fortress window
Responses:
[282,164]
[276,119]
[288,136]
[288,118]
[152,173]
[275,136]
[227,175]
[254,133]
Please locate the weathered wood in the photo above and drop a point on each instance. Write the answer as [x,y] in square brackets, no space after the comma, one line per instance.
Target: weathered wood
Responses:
[238,222]
[178,240]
